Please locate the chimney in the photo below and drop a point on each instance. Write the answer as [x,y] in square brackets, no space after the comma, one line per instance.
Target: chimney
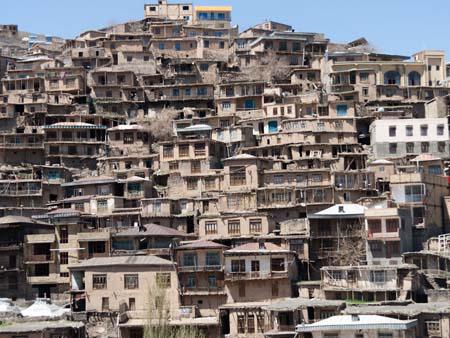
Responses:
[341,209]
[355,318]
[261,244]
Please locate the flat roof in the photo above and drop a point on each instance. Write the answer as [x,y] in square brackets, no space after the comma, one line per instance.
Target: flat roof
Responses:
[359,322]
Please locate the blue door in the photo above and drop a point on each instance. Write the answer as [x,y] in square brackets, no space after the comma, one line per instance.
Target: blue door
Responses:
[273,126]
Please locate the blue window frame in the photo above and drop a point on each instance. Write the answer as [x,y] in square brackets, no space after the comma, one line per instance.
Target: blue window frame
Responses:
[341,109]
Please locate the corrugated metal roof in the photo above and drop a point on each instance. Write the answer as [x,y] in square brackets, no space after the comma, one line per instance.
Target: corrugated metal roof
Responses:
[123,260]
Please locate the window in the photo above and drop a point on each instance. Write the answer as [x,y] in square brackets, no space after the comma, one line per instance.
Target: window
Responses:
[191,281]
[212,281]
[167,151]
[413,193]
[190,259]
[277,264]
[238,265]
[63,258]
[210,183]
[175,92]
[237,175]
[385,335]
[234,227]
[183,150]
[64,234]
[192,183]
[255,226]
[199,149]
[173,165]
[316,178]
[226,105]
[187,91]
[374,226]
[375,246]
[161,45]
[441,147]
[424,130]
[163,279]
[363,77]
[391,225]
[414,79]
[202,91]
[132,304]
[195,167]
[177,46]
[255,266]
[341,110]
[365,91]
[278,179]
[128,138]
[392,148]
[377,276]
[99,282]
[392,78]
[241,324]
[212,259]
[250,323]
[409,130]
[129,58]
[206,43]
[105,304]
[102,205]
[425,147]
[440,129]
[131,282]
[331,335]
[210,228]
[392,131]
[204,67]
[433,326]
[410,147]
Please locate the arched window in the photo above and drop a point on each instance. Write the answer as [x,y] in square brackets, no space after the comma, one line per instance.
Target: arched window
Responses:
[392,77]
[413,79]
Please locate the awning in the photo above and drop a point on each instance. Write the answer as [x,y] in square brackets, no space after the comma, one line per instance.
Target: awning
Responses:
[40,238]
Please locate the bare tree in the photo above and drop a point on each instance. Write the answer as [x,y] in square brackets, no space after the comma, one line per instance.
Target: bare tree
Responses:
[351,248]
[161,126]
[271,68]
[158,325]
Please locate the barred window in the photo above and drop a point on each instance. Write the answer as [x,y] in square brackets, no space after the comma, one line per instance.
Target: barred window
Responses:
[255,226]
[210,228]
[167,151]
[131,281]
[237,175]
[191,183]
[183,150]
[99,282]
[163,279]
[234,227]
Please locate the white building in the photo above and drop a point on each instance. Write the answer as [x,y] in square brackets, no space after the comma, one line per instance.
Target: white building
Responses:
[358,326]
[395,138]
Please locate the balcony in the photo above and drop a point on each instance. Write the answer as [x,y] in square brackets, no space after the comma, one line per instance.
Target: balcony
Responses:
[342,88]
[38,259]
[193,290]
[11,145]
[199,268]
[236,276]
